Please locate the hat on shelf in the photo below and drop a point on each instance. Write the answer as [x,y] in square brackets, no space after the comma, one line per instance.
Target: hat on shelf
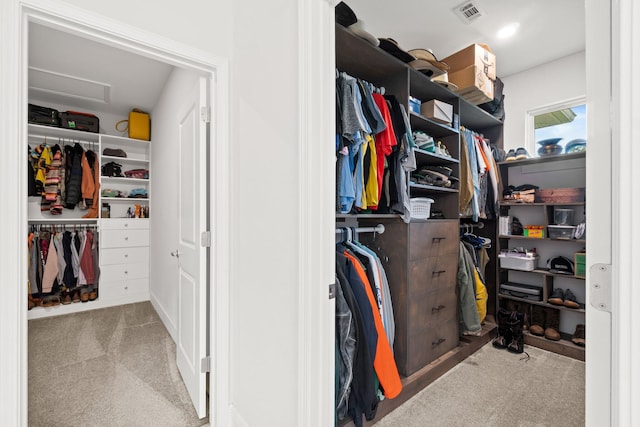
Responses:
[391,46]
[443,79]
[346,17]
[359,30]
[427,63]
[560,264]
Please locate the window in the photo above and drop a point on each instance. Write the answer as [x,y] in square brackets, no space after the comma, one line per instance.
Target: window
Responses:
[557,129]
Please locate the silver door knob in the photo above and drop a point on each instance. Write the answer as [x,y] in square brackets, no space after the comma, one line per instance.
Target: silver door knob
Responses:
[175,254]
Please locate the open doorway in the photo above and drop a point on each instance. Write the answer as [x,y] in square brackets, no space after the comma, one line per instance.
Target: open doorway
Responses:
[160,256]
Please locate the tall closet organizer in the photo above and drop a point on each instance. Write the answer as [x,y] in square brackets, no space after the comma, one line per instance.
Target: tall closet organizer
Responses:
[74,200]
[420,257]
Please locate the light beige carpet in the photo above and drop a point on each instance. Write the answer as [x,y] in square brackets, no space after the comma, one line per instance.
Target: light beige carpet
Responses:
[495,388]
[107,367]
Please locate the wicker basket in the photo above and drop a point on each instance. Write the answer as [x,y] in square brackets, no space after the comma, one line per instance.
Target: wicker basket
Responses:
[421,207]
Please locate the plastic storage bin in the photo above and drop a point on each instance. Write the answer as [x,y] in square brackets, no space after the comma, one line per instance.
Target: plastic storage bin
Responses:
[421,207]
[563,216]
[561,231]
[518,262]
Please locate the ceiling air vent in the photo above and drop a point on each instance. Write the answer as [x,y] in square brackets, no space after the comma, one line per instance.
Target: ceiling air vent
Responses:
[468,11]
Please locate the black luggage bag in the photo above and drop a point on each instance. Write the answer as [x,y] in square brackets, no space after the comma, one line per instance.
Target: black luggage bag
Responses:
[79,121]
[43,116]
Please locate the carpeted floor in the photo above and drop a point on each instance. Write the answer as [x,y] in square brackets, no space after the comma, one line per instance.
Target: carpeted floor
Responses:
[107,367]
[495,388]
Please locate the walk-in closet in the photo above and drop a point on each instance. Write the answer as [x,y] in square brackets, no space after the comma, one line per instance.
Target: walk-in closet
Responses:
[478,226]
[116,221]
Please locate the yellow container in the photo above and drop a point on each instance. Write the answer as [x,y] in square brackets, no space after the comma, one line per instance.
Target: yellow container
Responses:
[535,231]
[139,125]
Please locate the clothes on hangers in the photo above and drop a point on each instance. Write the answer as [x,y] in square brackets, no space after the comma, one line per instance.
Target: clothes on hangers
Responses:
[479,177]
[365,139]
[62,261]
[366,315]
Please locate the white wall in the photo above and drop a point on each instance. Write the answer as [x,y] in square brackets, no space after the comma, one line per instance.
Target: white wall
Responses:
[163,277]
[264,159]
[546,84]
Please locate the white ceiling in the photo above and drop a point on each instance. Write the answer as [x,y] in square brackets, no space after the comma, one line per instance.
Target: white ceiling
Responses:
[549,29]
[132,81]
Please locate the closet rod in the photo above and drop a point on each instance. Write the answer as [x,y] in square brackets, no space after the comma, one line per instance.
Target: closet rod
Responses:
[377,229]
[471,225]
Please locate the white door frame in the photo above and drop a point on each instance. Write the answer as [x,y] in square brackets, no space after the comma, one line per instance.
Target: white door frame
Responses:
[624,132]
[14,15]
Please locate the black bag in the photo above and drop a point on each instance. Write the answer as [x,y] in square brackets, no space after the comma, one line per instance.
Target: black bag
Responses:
[43,115]
[495,107]
[80,121]
[112,169]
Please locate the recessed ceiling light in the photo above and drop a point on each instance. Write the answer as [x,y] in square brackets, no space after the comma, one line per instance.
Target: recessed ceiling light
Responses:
[508,31]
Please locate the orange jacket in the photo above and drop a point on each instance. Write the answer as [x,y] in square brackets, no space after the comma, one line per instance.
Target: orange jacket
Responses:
[88,185]
[384,363]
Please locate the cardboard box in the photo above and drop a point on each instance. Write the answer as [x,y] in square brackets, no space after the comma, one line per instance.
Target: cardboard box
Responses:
[478,55]
[438,111]
[473,85]
[560,195]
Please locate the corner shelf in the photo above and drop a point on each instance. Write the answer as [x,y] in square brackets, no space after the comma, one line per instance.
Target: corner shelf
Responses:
[435,159]
[431,127]
[564,346]
[432,188]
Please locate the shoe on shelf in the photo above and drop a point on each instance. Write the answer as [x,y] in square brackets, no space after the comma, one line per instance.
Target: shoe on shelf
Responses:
[579,335]
[570,299]
[552,331]
[511,156]
[537,320]
[557,297]
[522,154]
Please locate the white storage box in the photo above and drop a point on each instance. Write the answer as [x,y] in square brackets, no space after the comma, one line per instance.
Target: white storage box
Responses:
[518,262]
[421,207]
[438,111]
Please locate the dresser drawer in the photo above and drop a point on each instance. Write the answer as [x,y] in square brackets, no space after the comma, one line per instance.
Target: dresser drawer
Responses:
[428,274]
[124,238]
[123,289]
[433,238]
[116,272]
[125,256]
[426,346]
[436,307]
[125,224]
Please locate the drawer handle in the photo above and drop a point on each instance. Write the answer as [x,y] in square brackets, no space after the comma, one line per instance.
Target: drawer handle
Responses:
[438,308]
[437,239]
[438,342]
[439,272]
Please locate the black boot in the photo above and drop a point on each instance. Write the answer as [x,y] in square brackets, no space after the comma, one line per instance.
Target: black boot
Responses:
[516,327]
[504,333]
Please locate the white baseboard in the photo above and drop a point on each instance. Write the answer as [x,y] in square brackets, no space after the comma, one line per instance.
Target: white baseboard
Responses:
[164,316]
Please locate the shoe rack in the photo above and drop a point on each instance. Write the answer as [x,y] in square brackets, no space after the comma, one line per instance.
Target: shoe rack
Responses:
[559,171]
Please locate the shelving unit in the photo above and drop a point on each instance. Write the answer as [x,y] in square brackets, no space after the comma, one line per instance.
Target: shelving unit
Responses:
[418,246]
[561,171]
[124,243]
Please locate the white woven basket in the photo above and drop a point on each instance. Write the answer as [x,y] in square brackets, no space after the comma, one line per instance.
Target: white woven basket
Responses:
[421,207]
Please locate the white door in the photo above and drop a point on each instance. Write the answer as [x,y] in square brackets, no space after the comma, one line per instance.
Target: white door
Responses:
[191,152]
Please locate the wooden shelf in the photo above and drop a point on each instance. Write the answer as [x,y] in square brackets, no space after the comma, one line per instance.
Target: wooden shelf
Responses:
[429,126]
[507,203]
[125,199]
[433,158]
[544,273]
[63,220]
[367,215]
[432,188]
[124,160]
[564,346]
[546,159]
[503,236]
[543,304]
[474,118]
